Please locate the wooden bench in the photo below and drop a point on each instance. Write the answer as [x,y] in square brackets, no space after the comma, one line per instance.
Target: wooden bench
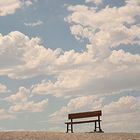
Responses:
[85,115]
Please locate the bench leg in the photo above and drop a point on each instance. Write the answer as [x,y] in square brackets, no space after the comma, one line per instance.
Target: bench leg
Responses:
[100,130]
[99,125]
[67,128]
[95,126]
[71,128]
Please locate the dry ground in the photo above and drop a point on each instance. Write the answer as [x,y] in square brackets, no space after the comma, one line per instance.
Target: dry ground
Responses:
[13,135]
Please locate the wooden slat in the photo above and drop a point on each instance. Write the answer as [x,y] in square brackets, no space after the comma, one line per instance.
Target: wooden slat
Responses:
[84,114]
[78,122]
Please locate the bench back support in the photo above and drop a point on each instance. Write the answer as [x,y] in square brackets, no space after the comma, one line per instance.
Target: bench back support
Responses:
[85,114]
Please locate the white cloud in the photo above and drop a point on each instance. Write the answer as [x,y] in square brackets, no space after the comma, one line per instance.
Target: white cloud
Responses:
[100,27]
[126,104]
[97,2]
[3,88]
[20,97]
[34,24]
[116,114]
[75,72]
[4,115]
[28,2]
[22,57]
[10,6]
[102,69]
[20,102]
[100,77]
[30,106]
[64,83]
[121,57]
[98,70]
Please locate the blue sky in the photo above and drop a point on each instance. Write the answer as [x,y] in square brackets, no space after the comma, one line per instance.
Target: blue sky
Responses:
[58,57]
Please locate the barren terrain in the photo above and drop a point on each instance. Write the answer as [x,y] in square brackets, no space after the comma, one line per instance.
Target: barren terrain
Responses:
[13,135]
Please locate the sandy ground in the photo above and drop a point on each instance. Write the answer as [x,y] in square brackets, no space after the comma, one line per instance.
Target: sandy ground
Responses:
[13,135]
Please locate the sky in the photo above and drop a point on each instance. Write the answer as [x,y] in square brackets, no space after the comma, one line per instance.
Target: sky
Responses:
[64,56]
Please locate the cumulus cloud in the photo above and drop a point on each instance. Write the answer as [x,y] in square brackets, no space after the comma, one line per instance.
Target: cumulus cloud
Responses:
[100,77]
[100,27]
[64,84]
[127,107]
[3,88]
[102,68]
[10,6]
[22,57]
[30,106]
[34,24]
[20,102]
[20,97]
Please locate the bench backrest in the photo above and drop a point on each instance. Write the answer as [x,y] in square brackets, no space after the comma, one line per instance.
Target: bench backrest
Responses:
[85,114]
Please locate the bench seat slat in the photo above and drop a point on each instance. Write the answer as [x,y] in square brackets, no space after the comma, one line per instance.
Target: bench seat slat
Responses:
[78,122]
